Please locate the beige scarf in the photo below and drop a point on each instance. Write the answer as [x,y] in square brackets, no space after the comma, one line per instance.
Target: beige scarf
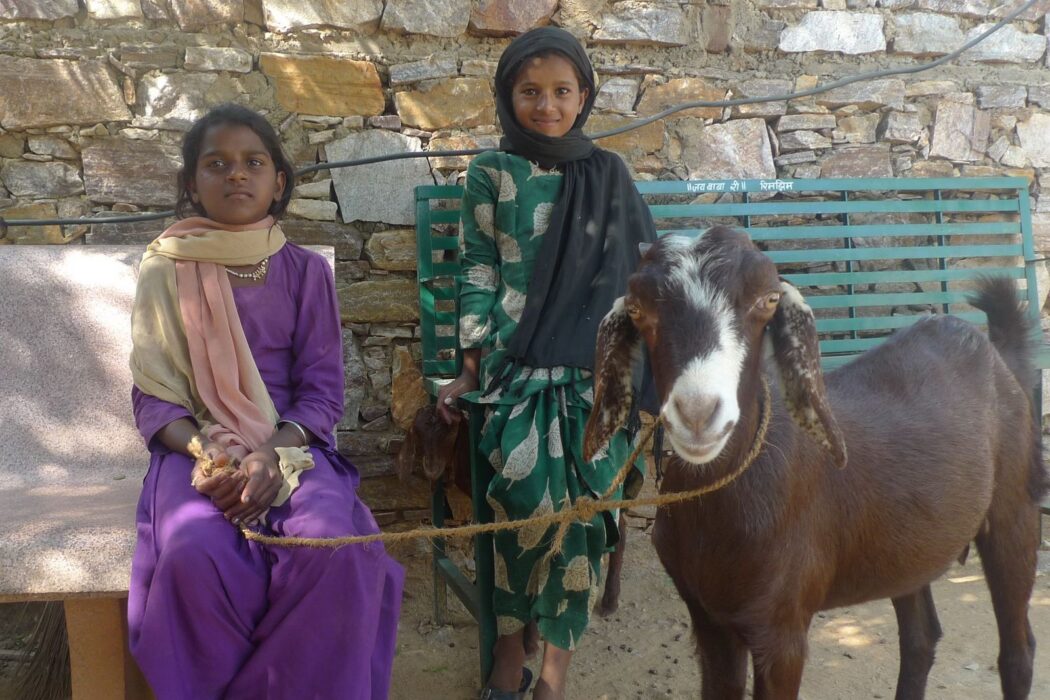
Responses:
[188,345]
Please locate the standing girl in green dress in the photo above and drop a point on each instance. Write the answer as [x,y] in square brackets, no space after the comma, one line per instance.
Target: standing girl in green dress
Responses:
[551,226]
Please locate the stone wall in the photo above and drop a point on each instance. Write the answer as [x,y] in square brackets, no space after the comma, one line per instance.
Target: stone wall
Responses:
[95,94]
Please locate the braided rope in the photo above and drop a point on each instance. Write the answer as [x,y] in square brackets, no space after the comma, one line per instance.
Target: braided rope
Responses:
[584,510]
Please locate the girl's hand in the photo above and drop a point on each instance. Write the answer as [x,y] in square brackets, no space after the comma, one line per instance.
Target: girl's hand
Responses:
[262,482]
[214,477]
[446,400]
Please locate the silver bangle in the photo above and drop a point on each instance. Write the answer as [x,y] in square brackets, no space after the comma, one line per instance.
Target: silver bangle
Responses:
[302,431]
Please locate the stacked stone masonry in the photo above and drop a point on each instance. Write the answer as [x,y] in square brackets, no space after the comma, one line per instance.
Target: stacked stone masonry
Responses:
[97,94]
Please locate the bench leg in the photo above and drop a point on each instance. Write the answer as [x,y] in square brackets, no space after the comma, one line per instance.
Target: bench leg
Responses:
[484,554]
[100,663]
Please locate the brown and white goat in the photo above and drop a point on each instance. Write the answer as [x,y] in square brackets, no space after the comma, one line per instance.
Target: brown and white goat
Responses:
[868,488]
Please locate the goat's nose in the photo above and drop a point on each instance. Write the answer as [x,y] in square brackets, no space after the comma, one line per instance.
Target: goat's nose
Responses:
[697,414]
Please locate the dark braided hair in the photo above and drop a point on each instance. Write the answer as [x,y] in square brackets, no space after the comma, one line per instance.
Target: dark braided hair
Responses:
[237,115]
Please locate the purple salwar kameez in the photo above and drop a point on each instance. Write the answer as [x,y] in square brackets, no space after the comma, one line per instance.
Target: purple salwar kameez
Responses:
[211,615]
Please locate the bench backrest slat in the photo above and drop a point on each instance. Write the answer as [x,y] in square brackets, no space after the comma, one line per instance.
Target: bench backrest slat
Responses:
[871,255]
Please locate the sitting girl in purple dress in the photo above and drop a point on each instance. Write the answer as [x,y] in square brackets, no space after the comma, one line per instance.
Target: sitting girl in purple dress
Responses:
[238,360]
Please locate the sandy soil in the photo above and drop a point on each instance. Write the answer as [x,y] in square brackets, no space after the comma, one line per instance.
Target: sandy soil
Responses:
[645,649]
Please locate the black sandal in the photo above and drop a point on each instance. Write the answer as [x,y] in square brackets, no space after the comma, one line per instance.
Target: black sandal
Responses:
[490,693]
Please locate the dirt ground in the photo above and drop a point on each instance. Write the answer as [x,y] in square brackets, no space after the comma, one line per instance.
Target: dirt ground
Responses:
[645,649]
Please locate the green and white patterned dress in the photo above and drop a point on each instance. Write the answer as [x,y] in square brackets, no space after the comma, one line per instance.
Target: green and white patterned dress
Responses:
[533,434]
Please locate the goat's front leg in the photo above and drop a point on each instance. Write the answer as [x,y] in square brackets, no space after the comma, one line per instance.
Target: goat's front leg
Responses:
[778,666]
[722,654]
[919,630]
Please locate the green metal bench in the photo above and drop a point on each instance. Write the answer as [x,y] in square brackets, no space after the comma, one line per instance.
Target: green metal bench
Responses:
[871,256]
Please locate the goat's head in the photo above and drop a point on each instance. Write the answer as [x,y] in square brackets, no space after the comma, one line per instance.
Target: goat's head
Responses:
[702,308]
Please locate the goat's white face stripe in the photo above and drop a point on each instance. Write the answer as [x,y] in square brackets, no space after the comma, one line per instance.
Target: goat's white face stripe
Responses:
[706,380]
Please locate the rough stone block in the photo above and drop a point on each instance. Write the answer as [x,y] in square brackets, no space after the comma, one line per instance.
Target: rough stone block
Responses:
[325,85]
[1001,96]
[639,22]
[194,14]
[289,15]
[138,233]
[858,129]
[41,93]
[430,69]
[1034,136]
[392,250]
[958,8]
[322,189]
[787,4]
[509,17]
[865,95]
[150,57]
[761,88]
[803,141]
[113,9]
[811,122]
[716,24]
[12,145]
[38,9]
[457,142]
[924,88]
[646,139]
[858,161]
[346,239]
[925,34]
[134,172]
[32,235]
[218,59]
[617,95]
[1040,95]
[381,191]
[39,180]
[446,18]
[313,209]
[389,300]
[847,32]
[902,127]
[462,102]
[176,100]
[737,149]
[657,98]
[960,132]
[758,35]
[1008,45]
[52,146]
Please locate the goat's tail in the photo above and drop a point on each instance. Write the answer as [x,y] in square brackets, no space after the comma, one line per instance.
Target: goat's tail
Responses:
[1011,330]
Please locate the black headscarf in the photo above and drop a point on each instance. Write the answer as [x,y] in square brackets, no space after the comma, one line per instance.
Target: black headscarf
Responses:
[590,247]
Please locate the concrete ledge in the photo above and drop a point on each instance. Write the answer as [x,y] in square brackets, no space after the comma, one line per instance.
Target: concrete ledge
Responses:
[72,462]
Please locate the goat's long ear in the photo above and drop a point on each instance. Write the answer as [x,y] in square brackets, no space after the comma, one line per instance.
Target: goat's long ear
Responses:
[615,350]
[797,354]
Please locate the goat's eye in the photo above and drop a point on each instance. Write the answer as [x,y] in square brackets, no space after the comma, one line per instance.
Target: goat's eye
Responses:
[768,302]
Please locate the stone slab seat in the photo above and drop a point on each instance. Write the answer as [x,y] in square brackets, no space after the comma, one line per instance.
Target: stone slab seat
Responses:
[72,461]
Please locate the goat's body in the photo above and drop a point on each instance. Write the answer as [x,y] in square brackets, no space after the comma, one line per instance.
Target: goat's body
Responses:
[868,484]
[938,430]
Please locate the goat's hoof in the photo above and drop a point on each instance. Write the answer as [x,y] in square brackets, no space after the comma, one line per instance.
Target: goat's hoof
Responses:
[606,607]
